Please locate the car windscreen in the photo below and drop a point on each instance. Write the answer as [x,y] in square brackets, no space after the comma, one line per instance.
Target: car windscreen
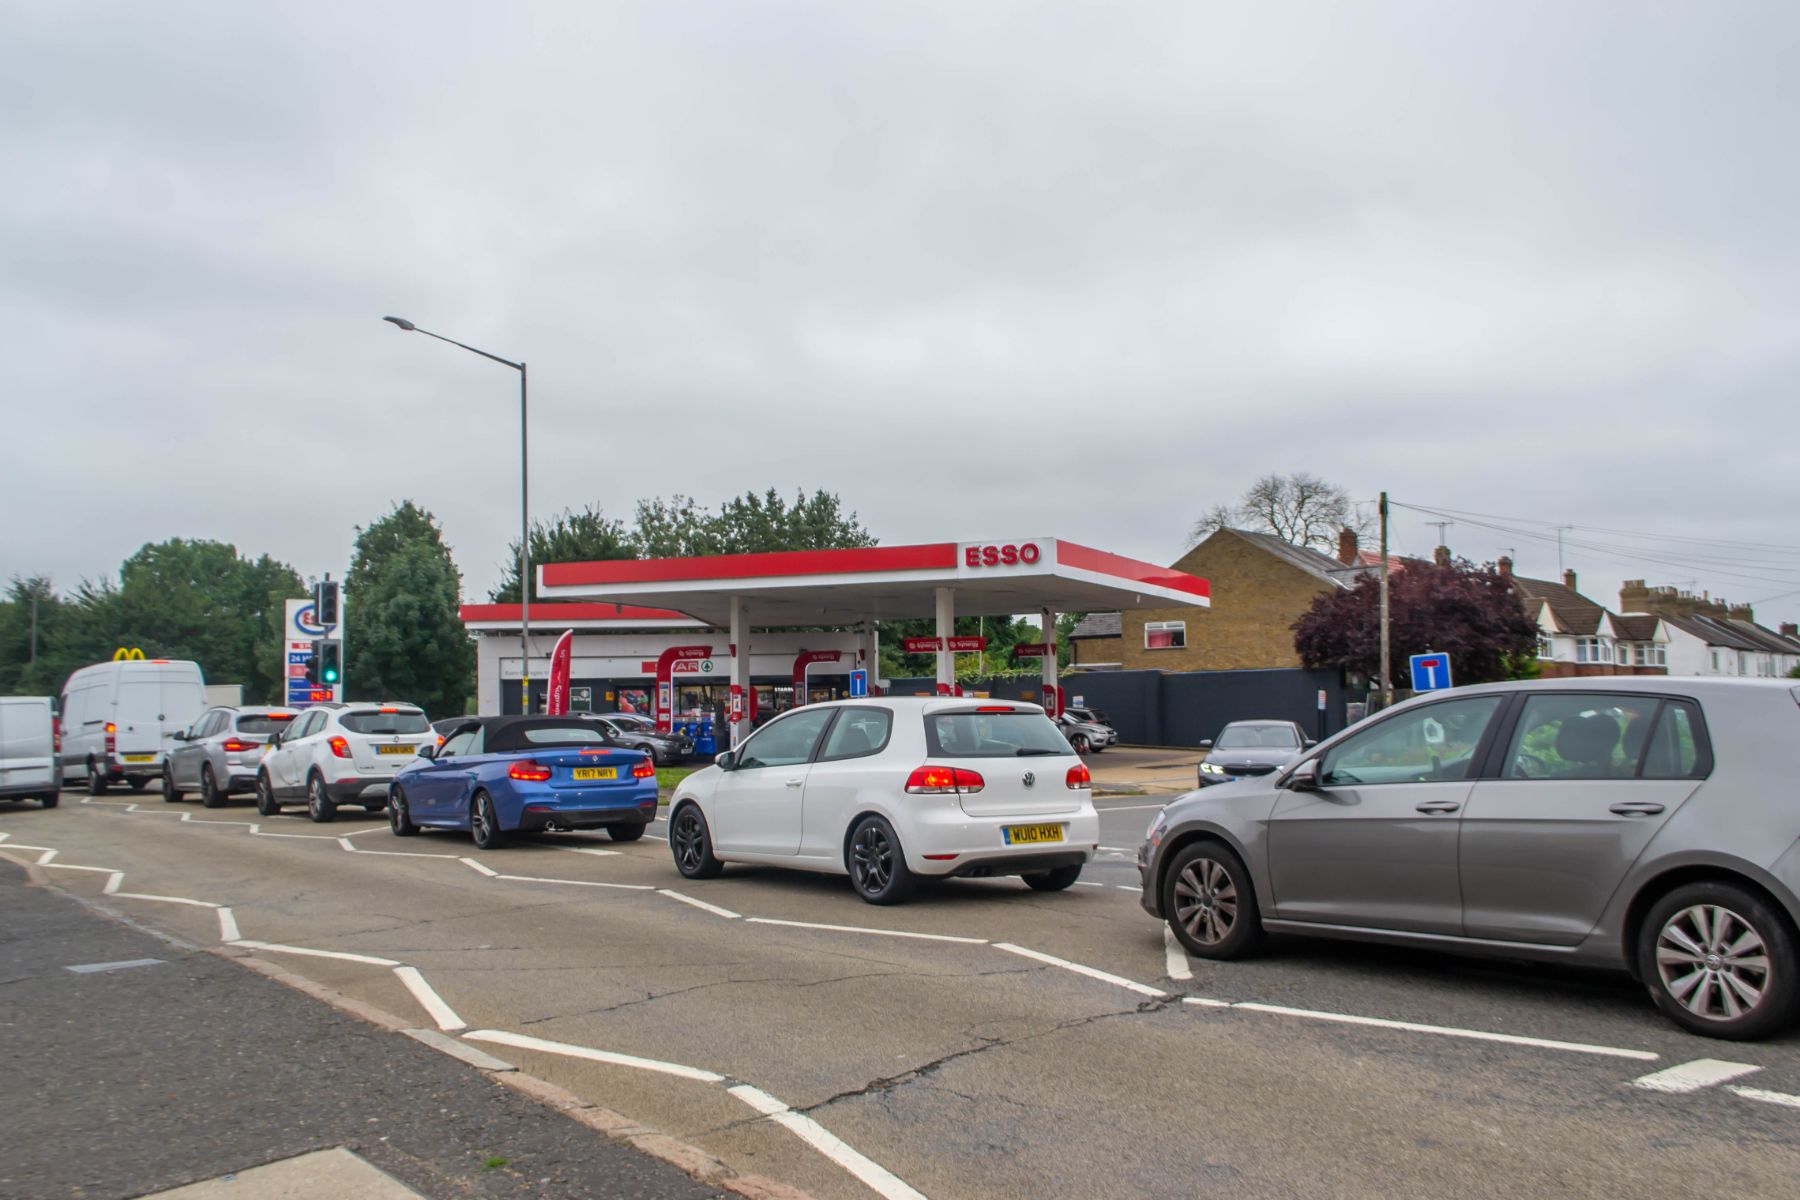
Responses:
[1258,737]
[264,723]
[634,724]
[372,722]
[1011,733]
[563,735]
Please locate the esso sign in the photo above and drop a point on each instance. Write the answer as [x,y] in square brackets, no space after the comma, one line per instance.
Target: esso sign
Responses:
[1005,555]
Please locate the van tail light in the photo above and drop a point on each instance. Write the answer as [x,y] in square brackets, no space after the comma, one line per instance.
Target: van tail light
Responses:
[56,735]
[239,745]
[112,739]
[1079,777]
[530,770]
[340,747]
[643,769]
[943,781]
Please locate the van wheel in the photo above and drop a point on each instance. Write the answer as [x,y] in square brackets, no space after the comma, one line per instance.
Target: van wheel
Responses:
[171,793]
[1721,962]
[50,799]
[266,803]
[95,779]
[210,795]
[319,806]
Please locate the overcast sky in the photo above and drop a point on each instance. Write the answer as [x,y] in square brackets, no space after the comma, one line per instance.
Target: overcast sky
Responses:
[983,269]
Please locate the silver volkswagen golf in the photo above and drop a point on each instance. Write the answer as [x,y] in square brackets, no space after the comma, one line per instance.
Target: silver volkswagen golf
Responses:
[1644,823]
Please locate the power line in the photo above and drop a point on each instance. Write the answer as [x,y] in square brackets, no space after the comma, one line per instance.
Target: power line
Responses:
[1664,537]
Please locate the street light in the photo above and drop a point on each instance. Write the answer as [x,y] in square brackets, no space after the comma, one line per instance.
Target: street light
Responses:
[524,508]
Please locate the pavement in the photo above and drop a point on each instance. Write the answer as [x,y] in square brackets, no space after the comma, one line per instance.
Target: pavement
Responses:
[1143,770]
[138,1064]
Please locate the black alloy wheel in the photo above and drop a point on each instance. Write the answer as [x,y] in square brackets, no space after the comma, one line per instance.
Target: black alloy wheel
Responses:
[484,825]
[170,792]
[319,805]
[691,844]
[627,831]
[210,795]
[399,818]
[878,869]
[266,803]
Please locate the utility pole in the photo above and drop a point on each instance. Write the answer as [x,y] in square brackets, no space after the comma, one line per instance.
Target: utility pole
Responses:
[1387,684]
[34,600]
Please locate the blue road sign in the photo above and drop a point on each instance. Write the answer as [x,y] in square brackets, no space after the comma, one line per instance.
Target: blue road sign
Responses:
[859,682]
[1430,672]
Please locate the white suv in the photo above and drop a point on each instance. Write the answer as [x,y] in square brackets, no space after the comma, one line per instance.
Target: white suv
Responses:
[340,754]
[886,790]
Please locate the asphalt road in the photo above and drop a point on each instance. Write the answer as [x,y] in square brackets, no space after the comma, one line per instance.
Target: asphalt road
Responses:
[983,1040]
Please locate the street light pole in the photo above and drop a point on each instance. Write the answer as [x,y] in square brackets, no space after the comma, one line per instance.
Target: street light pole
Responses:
[524,507]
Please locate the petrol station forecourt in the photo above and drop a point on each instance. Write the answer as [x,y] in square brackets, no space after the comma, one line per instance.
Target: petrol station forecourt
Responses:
[786,615]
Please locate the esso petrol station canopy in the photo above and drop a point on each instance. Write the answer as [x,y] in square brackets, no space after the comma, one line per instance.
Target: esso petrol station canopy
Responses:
[846,587]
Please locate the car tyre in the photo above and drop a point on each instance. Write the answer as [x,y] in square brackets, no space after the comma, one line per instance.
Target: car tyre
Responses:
[484,823]
[399,818]
[319,804]
[1078,742]
[627,831]
[266,803]
[96,780]
[1059,879]
[1210,903]
[170,793]
[877,864]
[691,843]
[50,799]
[137,783]
[1721,962]
[210,795]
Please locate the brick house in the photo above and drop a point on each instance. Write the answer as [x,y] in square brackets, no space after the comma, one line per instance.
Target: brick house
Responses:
[1260,586]
[1578,636]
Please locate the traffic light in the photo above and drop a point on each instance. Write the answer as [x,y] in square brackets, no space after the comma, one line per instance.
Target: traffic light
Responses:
[331,662]
[312,664]
[325,602]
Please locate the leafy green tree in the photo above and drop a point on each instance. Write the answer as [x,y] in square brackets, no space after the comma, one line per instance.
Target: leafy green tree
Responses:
[405,638]
[32,616]
[585,536]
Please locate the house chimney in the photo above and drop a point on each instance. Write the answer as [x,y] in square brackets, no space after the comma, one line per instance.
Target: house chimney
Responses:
[1347,547]
[1441,556]
[1790,629]
[1505,566]
[1569,579]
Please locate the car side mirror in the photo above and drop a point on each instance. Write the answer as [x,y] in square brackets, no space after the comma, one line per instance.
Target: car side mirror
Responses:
[727,760]
[274,740]
[428,751]
[1310,742]
[180,735]
[1206,743]
[1304,778]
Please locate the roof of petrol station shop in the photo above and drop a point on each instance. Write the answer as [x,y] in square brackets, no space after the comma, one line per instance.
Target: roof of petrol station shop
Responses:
[843,587]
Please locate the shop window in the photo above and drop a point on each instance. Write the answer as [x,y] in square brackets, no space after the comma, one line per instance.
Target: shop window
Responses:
[1165,635]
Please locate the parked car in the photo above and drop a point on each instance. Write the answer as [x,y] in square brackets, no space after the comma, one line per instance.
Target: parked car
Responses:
[1643,823]
[1250,748]
[222,753]
[117,717]
[1086,736]
[886,791]
[495,776]
[340,754]
[639,733]
[28,769]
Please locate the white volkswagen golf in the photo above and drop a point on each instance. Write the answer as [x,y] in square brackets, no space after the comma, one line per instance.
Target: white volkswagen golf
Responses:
[887,789]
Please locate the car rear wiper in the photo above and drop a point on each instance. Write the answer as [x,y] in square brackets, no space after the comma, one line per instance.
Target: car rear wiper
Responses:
[1033,752]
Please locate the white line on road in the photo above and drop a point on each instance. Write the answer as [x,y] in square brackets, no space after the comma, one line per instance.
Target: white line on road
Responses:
[1143,989]
[1692,1076]
[1479,1035]
[1785,1099]
[569,1050]
[701,904]
[345,843]
[482,867]
[1085,883]
[165,899]
[308,952]
[899,933]
[600,851]
[1175,957]
[625,887]
[878,1178]
[228,926]
[113,884]
[429,1000]
[74,867]
[46,856]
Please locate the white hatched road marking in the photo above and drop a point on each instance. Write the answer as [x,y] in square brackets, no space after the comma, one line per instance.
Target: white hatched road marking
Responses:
[626,887]
[899,933]
[1785,1099]
[482,867]
[700,904]
[1175,958]
[1692,1076]
[228,926]
[167,899]
[569,1050]
[429,1000]
[309,952]
[1142,989]
[877,1177]
[1479,1035]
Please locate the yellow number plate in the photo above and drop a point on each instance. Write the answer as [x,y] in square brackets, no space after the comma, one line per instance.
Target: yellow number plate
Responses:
[1021,835]
[140,758]
[596,772]
[393,749]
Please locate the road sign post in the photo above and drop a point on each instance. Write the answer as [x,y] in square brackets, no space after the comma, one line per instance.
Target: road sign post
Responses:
[1430,672]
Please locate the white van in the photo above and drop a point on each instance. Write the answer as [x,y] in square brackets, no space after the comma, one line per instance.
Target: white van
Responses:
[28,750]
[117,717]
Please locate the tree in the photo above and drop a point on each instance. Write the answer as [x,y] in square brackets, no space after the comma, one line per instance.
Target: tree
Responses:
[32,616]
[585,536]
[406,639]
[1300,508]
[1466,611]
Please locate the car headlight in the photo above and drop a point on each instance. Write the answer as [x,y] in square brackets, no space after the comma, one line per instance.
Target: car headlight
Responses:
[1210,768]
[1153,835]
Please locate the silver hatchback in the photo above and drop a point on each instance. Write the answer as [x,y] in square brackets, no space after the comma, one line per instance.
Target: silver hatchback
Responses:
[1643,823]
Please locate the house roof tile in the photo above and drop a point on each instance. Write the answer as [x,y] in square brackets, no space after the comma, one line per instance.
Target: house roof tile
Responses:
[1574,612]
[1098,625]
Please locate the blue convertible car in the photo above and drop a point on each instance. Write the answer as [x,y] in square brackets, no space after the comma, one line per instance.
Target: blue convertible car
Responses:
[498,775]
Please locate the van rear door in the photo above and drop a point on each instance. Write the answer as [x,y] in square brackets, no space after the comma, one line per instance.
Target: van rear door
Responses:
[27,755]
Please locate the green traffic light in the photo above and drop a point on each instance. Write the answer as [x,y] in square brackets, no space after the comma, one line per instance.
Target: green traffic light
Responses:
[331,677]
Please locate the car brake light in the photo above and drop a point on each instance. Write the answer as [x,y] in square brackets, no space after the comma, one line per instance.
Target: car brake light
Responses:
[530,770]
[340,747]
[643,769]
[237,745]
[943,781]
[995,708]
[1079,777]
[392,710]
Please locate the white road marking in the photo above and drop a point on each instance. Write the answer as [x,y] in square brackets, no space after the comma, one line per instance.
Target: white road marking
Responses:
[701,904]
[1785,1099]
[1132,851]
[308,952]
[370,829]
[113,884]
[877,1177]
[461,1051]
[46,856]
[1142,989]
[1085,883]
[627,887]
[429,1000]
[1479,1035]
[482,867]
[899,933]
[569,1050]
[600,851]
[1106,808]
[228,926]
[1175,957]
[166,899]
[74,867]
[95,968]
[345,843]
[403,853]
[1692,1076]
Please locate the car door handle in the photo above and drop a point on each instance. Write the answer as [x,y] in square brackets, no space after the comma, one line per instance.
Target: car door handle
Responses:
[1439,806]
[796,782]
[1637,808]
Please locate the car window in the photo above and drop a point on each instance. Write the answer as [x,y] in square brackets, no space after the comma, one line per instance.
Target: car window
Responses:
[1677,747]
[460,743]
[263,724]
[312,723]
[1257,737]
[1435,742]
[1005,733]
[1579,736]
[564,735]
[784,742]
[378,722]
[859,732]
